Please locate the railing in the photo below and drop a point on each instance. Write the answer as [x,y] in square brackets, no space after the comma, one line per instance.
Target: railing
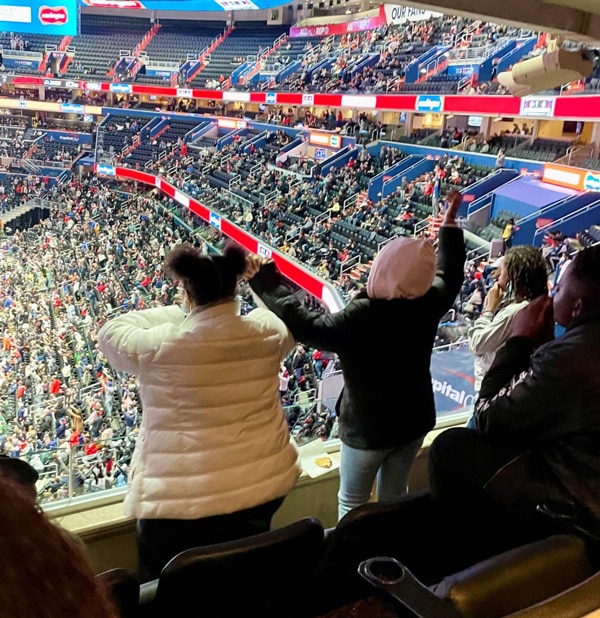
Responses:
[267,198]
[322,217]
[475,53]
[349,265]
[348,202]
[420,227]
[465,82]
[235,181]
[393,84]
[385,242]
[433,67]
[472,253]
[51,164]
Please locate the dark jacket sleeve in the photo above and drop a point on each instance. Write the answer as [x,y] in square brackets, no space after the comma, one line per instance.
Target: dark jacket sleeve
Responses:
[324,331]
[521,394]
[450,272]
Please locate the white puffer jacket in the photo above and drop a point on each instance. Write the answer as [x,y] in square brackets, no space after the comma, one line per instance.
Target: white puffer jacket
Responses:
[214,439]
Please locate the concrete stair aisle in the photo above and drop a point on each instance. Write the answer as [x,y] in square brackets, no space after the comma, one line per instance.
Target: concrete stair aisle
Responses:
[360,271]
[141,46]
[15,213]
[433,226]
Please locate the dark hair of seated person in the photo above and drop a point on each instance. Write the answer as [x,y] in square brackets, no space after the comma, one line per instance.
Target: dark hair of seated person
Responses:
[207,279]
[44,573]
[586,270]
[20,472]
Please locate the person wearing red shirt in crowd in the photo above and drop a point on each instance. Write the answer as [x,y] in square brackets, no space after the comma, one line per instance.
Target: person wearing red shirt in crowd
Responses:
[55,385]
[91,448]
[21,388]
[74,438]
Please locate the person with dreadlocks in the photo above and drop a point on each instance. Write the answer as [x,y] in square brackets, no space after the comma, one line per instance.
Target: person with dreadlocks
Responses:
[533,462]
[523,277]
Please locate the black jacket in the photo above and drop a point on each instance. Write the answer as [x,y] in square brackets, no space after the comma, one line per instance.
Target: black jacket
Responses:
[384,348]
[547,405]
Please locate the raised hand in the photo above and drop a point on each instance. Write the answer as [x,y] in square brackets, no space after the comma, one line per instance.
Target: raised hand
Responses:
[535,322]
[453,200]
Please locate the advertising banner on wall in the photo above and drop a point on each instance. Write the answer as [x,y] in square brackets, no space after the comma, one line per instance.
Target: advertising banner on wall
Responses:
[452,376]
[69,137]
[56,17]
[185,5]
[357,25]
[20,63]
[401,14]
[571,177]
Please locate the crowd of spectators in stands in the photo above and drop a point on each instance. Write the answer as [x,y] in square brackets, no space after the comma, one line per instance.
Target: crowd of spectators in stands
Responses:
[96,255]
[61,280]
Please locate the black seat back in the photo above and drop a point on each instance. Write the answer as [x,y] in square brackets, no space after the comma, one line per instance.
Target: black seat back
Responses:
[257,577]
[124,590]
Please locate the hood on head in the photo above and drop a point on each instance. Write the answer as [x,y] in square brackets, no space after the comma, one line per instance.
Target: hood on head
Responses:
[404,268]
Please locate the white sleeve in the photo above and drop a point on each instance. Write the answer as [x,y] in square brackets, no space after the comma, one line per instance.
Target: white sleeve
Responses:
[285,336]
[489,332]
[130,338]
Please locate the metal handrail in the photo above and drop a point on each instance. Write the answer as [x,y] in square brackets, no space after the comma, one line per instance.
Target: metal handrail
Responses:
[349,265]
[420,226]
[385,242]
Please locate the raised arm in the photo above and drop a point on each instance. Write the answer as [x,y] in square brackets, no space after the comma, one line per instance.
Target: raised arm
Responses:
[451,257]
[315,329]
[127,338]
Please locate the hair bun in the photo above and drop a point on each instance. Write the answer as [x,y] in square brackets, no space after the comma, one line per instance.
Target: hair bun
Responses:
[183,261]
[236,258]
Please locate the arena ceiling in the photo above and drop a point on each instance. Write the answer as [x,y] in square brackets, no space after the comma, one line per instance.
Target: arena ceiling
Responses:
[574,19]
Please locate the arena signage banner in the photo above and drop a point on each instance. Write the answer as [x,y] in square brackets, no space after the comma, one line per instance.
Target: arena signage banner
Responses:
[185,5]
[571,177]
[538,106]
[55,17]
[69,137]
[357,25]
[452,377]
[401,14]
[20,63]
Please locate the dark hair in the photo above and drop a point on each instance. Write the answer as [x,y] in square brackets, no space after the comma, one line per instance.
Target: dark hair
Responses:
[18,471]
[206,279]
[586,266]
[526,272]
[64,583]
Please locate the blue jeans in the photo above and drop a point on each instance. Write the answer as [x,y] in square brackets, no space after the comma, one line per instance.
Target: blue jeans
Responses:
[360,467]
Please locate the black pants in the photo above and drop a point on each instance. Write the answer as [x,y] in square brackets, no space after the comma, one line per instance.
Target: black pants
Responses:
[159,540]
[461,462]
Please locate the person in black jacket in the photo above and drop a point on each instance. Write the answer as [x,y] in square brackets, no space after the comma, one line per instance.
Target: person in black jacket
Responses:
[537,445]
[384,341]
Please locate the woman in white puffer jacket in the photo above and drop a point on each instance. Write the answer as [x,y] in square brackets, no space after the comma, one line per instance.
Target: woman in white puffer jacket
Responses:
[214,459]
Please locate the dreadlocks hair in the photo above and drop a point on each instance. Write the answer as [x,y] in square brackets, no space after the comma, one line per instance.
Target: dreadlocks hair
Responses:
[526,271]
